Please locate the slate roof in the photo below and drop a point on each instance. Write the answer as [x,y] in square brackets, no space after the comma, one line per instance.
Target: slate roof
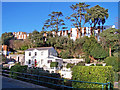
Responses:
[39,48]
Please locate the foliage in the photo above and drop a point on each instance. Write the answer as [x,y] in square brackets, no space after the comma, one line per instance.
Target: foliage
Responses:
[6,37]
[24,48]
[54,23]
[54,64]
[18,68]
[99,65]
[65,54]
[92,48]
[3,58]
[109,39]
[87,59]
[78,17]
[92,65]
[101,74]
[70,65]
[96,15]
[112,61]
[81,64]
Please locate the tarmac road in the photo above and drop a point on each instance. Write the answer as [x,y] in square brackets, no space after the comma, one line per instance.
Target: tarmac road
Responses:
[10,84]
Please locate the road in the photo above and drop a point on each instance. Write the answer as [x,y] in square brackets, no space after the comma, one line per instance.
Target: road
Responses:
[9,83]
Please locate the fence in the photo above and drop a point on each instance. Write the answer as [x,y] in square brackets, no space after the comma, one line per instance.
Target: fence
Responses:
[46,79]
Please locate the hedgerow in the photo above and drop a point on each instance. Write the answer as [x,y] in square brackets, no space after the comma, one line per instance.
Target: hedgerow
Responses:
[101,74]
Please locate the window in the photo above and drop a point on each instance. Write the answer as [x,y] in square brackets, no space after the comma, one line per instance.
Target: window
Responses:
[49,61]
[29,53]
[41,53]
[41,61]
[29,62]
[35,53]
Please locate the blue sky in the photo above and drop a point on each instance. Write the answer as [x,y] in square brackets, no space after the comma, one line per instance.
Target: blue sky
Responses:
[30,16]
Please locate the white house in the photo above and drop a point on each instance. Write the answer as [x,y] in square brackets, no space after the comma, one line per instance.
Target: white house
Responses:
[42,57]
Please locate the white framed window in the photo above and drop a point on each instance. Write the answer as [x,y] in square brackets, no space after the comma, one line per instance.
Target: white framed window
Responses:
[35,53]
[29,53]
[29,62]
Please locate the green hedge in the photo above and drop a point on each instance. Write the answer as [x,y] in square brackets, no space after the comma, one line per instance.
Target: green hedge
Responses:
[54,64]
[101,74]
[18,68]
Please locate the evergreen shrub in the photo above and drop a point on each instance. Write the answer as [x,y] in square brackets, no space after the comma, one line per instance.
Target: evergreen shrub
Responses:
[101,74]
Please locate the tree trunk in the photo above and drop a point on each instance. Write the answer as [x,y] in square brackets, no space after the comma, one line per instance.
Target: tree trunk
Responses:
[110,51]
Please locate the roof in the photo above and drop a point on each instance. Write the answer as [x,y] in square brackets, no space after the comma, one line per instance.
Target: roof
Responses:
[39,48]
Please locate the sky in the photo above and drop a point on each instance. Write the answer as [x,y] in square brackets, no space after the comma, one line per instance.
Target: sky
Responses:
[30,16]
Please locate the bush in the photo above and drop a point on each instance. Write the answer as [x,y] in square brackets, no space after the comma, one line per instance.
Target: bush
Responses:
[101,74]
[112,61]
[87,59]
[81,64]
[70,65]
[92,65]
[54,64]
[99,65]
[18,68]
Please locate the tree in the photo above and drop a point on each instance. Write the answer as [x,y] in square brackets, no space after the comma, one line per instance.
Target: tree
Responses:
[112,61]
[37,39]
[78,46]
[94,49]
[6,37]
[96,15]
[109,38]
[78,17]
[54,23]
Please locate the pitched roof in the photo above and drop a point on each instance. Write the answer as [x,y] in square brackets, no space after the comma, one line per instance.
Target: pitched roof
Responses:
[39,48]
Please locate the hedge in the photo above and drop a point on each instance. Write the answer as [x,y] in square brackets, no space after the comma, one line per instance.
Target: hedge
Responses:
[18,68]
[54,64]
[101,74]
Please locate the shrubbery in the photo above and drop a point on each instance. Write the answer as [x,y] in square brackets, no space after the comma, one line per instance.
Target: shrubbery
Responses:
[112,61]
[54,64]
[101,74]
[70,65]
[18,68]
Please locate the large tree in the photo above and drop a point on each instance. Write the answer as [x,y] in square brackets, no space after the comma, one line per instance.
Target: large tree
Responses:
[55,22]
[110,38]
[6,37]
[96,16]
[94,49]
[79,14]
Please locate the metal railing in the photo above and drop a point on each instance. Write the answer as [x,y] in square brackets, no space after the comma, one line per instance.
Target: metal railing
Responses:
[30,78]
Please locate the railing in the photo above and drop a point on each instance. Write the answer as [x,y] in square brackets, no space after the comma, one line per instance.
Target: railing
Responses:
[29,77]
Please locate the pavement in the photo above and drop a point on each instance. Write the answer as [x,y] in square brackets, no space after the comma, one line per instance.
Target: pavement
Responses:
[13,84]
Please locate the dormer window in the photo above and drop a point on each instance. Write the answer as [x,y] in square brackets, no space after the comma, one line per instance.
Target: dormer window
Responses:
[29,53]
[35,53]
